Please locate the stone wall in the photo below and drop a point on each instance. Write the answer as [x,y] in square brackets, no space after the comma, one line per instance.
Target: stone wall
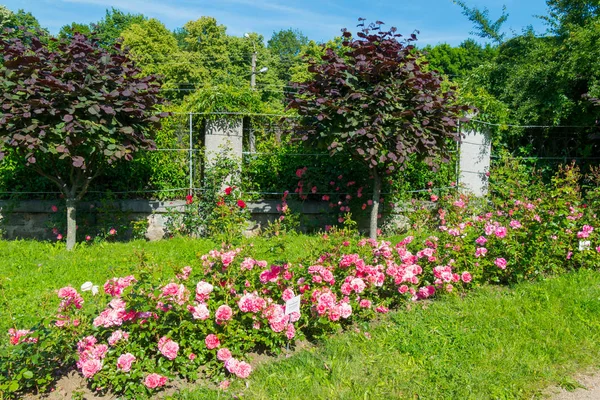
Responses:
[31,219]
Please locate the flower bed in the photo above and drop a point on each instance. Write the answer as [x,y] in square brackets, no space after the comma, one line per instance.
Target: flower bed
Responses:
[139,332]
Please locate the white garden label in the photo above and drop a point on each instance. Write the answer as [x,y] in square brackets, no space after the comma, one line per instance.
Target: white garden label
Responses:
[292,305]
[584,245]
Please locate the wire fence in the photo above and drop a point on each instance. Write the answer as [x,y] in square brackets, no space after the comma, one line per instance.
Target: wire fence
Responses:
[187,149]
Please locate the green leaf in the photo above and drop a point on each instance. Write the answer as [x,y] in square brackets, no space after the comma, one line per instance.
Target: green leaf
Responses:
[13,387]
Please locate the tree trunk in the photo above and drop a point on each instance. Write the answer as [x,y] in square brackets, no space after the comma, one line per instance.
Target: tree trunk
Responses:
[71,223]
[375,208]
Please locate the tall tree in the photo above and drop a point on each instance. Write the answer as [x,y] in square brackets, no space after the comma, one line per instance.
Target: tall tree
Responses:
[377,103]
[70,109]
[485,27]
[566,14]
[108,30]
[287,45]
[155,50]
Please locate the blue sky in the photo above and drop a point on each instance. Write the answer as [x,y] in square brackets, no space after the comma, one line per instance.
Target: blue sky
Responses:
[437,20]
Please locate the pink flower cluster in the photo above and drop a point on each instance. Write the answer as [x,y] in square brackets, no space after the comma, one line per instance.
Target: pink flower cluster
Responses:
[585,232]
[115,286]
[69,297]
[175,293]
[118,336]
[114,315]
[251,302]
[91,355]
[249,263]
[20,336]
[241,369]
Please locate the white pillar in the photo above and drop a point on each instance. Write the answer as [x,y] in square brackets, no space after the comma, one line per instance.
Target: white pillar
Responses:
[474,162]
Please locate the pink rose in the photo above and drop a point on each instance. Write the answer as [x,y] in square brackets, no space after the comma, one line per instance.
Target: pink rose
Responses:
[124,362]
[200,311]
[223,354]
[466,277]
[224,385]
[223,313]
[243,370]
[168,348]
[90,367]
[212,341]
[155,380]
[500,263]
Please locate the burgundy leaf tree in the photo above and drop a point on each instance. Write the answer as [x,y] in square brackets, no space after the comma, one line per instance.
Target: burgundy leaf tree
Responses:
[69,108]
[376,99]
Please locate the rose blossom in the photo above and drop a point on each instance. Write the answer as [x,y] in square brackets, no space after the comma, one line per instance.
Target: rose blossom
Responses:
[90,367]
[466,277]
[500,263]
[212,341]
[223,354]
[223,313]
[168,347]
[155,380]
[124,362]
[243,370]
[200,311]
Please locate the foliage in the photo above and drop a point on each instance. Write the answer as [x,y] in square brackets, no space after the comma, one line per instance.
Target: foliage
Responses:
[74,122]
[566,14]
[18,22]
[109,29]
[458,61]
[378,104]
[218,210]
[287,45]
[485,27]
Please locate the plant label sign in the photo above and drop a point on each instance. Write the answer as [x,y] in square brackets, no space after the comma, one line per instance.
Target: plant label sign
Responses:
[584,245]
[292,305]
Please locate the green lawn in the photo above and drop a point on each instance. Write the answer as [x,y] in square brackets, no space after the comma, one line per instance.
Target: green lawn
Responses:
[31,272]
[496,343]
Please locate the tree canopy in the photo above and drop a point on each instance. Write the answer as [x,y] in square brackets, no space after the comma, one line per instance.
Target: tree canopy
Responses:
[70,109]
[375,101]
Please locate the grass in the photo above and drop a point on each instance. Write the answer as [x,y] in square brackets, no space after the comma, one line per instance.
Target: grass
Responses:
[31,272]
[496,343]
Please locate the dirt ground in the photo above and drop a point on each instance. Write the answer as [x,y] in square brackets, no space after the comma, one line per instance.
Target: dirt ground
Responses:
[589,391]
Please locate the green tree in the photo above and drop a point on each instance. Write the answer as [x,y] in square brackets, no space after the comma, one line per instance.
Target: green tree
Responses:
[67,31]
[564,14]
[287,46]
[108,30]
[155,50]
[71,110]
[485,27]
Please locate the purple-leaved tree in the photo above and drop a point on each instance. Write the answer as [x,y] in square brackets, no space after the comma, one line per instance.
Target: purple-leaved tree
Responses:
[69,108]
[376,99]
